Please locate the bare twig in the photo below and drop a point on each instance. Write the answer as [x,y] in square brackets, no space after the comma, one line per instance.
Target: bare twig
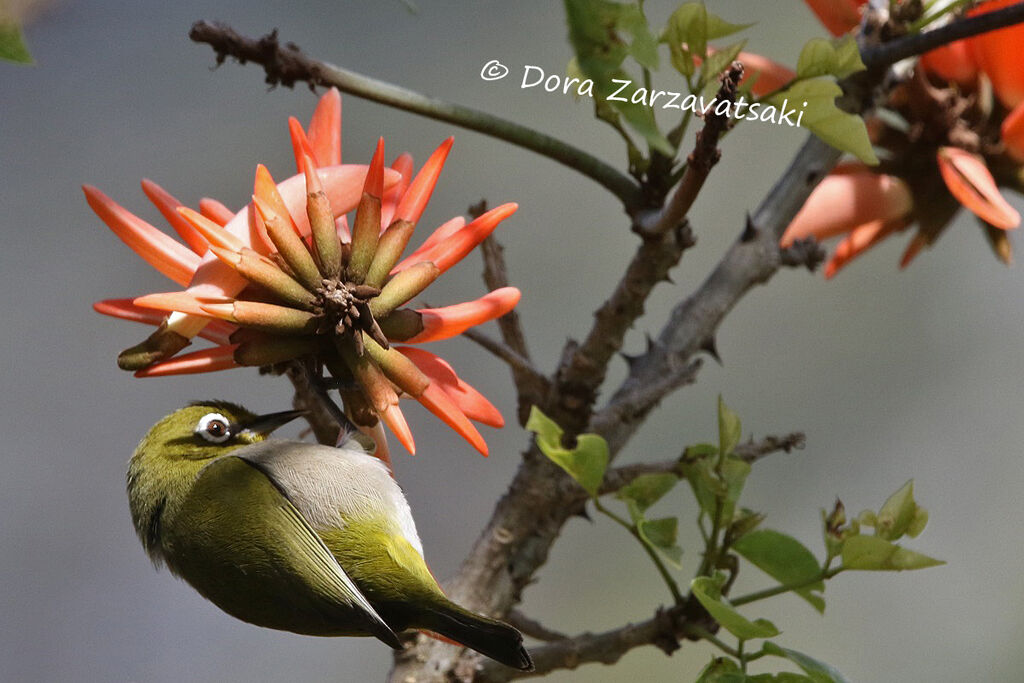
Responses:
[531,385]
[908,46]
[663,630]
[519,364]
[701,160]
[666,237]
[753,259]
[286,65]
[618,477]
[322,414]
[532,628]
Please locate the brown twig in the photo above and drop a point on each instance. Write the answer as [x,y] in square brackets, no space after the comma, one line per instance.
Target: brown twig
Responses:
[520,365]
[531,385]
[663,630]
[533,628]
[701,160]
[322,414]
[669,235]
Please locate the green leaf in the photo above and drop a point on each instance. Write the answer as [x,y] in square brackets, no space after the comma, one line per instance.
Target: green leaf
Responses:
[814,101]
[595,28]
[12,43]
[786,560]
[708,591]
[819,671]
[700,450]
[781,677]
[706,487]
[874,553]
[729,428]
[721,670]
[647,489]
[822,57]
[734,474]
[848,59]
[586,463]
[688,31]
[660,534]
[897,513]
[918,523]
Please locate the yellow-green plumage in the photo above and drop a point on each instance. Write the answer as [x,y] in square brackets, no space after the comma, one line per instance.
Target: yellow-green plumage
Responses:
[292,536]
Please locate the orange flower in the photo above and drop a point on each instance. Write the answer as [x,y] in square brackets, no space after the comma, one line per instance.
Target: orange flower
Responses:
[838,16]
[951,138]
[287,277]
[857,202]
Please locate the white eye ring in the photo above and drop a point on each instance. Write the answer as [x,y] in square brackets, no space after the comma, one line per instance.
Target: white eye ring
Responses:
[214,427]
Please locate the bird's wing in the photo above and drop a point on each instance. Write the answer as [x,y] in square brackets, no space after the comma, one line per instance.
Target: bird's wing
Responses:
[253,494]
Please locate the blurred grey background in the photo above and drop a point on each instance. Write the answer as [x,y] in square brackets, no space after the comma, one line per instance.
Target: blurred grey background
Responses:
[892,374]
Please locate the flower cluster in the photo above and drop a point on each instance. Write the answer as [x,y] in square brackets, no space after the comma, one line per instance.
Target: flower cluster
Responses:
[944,140]
[287,278]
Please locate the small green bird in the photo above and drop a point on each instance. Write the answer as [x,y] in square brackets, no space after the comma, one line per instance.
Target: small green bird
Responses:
[293,536]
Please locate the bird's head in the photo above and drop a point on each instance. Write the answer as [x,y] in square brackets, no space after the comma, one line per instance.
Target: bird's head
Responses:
[168,459]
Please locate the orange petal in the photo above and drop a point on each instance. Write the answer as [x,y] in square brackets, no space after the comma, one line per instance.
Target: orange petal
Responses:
[210,231]
[951,62]
[156,248]
[850,196]
[859,240]
[1012,133]
[445,231]
[395,421]
[470,401]
[374,184]
[389,202]
[437,401]
[300,143]
[216,331]
[838,16]
[450,321]
[168,205]
[325,129]
[177,301]
[998,54]
[215,211]
[416,197]
[206,360]
[265,189]
[969,181]
[454,248]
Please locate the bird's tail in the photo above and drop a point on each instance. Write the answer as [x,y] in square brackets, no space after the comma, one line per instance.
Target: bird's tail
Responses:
[489,637]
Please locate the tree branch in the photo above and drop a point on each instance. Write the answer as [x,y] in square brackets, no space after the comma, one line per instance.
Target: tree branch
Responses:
[663,630]
[285,65]
[893,51]
[666,237]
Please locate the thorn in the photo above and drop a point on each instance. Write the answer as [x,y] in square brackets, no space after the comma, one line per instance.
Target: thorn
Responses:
[710,347]
[651,344]
[750,231]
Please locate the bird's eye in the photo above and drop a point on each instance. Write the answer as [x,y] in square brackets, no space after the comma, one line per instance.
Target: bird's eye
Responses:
[214,427]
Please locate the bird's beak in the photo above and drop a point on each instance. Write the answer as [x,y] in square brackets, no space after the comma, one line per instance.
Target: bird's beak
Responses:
[265,424]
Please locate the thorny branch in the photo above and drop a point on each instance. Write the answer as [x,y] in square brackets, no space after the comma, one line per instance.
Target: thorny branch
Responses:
[528,518]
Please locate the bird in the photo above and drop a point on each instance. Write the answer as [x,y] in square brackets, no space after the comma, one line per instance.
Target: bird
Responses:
[294,536]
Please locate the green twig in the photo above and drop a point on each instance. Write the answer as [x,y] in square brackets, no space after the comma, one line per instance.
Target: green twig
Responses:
[673,587]
[704,634]
[779,590]
[285,64]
